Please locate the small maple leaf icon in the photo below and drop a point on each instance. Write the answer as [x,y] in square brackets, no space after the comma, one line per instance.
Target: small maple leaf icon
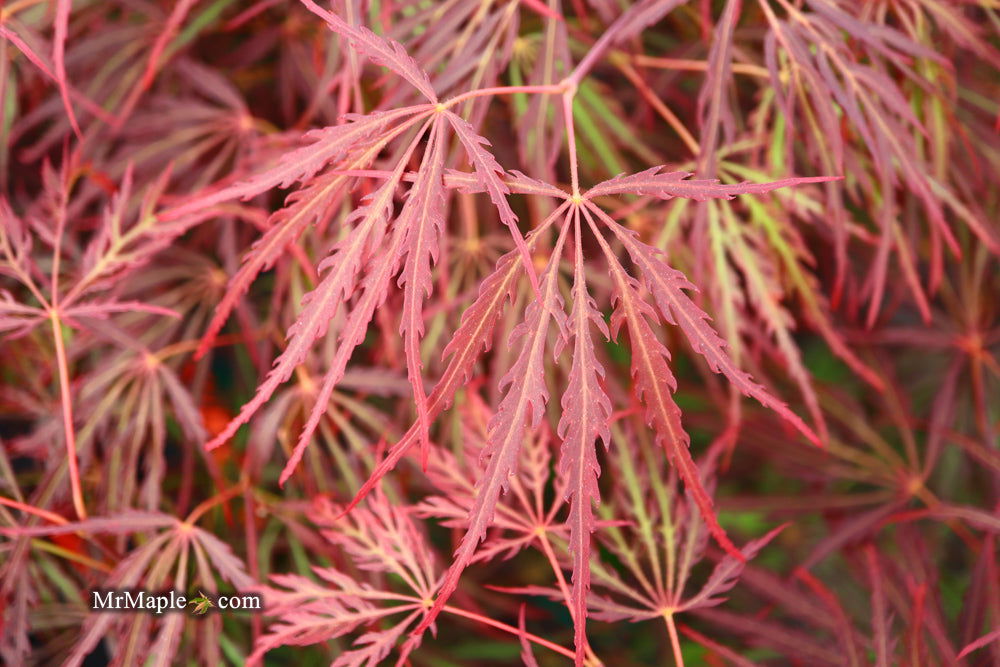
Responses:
[201,603]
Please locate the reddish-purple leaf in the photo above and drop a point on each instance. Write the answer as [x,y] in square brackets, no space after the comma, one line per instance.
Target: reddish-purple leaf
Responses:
[527,655]
[654,385]
[304,207]
[676,184]
[586,411]
[382,51]
[423,218]
[473,337]
[104,309]
[375,288]
[487,170]
[321,304]
[985,640]
[521,409]
[380,537]
[726,573]
[63,8]
[329,144]
[667,285]
[880,619]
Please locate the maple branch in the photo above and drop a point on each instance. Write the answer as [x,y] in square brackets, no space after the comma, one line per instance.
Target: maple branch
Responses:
[596,51]
[509,628]
[550,555]
[64,395]
[19,272]
[23,47]
[628,23]
[695,65]
[563,586]
[70,555]
[63,8]
[549,89]
[31,509]
[67,415]
[675,644]
[478,318]
[567,101]
[218,499]
[658,105]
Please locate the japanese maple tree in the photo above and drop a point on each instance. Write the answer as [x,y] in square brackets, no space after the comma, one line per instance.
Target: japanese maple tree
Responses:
[442,316]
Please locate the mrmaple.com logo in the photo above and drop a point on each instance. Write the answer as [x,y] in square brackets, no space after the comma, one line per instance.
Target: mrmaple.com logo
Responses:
[167,601]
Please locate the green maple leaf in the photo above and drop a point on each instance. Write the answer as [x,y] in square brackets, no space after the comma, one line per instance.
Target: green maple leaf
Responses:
[201,603]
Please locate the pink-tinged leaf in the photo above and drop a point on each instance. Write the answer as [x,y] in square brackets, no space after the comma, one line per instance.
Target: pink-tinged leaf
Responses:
[521,409]
[127,574]
[473,337]
[423,217]
[654,384]
[375,645]
[640,16]
[311,612]
[381,50]
[676,184]
[329,144]
[514,180]
[16,244]
[527,654]
[322,303]
[732,656]
[375,288]
[225,562]
[667,285]
[17,317]
[471,340]
[518,514]
[713,110]
[880,620]
[726,573]
[585,419]
[39,61]
[380,537]
[174,21]
[185,410]
[63,8]
[163,650]
[103,310]
[305,206]
[985,640]
[487,170]
[123,523]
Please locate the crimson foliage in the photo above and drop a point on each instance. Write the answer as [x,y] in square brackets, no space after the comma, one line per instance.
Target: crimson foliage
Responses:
[389,312]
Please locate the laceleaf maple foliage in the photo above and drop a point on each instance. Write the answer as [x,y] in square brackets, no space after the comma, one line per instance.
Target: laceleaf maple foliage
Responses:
[431,253]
